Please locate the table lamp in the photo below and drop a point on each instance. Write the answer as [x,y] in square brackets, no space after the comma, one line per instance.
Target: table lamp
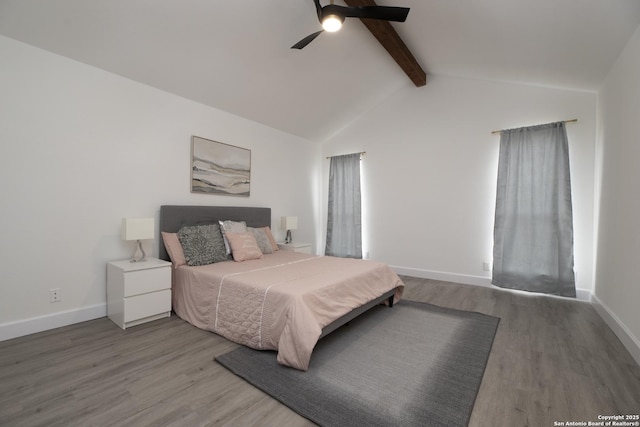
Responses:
[138,229]
[289,223]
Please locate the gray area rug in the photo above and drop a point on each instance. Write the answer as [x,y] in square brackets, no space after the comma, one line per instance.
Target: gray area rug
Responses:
[415,364]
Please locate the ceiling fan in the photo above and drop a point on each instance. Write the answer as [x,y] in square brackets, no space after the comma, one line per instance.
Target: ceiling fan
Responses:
[332,16]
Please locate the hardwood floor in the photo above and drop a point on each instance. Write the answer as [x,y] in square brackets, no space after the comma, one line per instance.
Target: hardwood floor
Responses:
[552,360]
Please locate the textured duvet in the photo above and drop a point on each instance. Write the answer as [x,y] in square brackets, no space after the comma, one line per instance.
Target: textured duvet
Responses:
[279,302]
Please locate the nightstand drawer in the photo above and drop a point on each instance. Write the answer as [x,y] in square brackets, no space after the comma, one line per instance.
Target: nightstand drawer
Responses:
[145,281]
[141,306]
[304,248]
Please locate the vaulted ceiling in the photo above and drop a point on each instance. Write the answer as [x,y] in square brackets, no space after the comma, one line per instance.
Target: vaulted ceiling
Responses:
[235,55]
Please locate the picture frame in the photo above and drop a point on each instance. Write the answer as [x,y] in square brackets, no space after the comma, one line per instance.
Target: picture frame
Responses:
[219,168]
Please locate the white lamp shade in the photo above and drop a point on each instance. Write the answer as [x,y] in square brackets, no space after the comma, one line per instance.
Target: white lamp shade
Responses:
[289,222]
[137,228]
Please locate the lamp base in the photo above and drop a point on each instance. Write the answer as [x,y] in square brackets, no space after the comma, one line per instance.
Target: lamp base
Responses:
[288,238]
[143,257]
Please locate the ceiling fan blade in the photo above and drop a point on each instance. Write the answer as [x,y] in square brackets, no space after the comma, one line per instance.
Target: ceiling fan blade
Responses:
[318,9]
[386,13]
[305,41]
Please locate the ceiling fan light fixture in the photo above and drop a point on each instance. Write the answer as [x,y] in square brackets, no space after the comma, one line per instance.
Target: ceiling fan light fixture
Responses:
[332,23]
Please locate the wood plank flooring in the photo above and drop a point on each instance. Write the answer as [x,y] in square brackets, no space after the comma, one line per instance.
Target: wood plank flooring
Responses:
[552,360]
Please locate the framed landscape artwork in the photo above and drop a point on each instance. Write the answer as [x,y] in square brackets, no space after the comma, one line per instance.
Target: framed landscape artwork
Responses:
[218,168]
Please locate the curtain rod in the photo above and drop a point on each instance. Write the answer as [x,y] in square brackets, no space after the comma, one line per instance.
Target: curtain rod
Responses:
[564,121]
[362,153]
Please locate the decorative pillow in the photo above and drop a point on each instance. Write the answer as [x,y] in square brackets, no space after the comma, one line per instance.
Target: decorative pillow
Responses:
[262,239]
[174,249]
[243,246]
[274,244]
[233,227]
[202,244]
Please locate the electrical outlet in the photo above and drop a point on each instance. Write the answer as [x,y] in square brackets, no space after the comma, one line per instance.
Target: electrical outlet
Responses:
[54,295]
[486,266]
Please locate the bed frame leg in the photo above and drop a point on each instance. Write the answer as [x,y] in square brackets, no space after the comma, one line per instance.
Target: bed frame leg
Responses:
[391,301]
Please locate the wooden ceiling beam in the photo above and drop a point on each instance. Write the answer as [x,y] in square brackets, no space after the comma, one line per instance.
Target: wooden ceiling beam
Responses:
[391,41]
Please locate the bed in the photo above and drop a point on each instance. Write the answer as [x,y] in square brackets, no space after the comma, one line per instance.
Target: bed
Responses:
[284,301]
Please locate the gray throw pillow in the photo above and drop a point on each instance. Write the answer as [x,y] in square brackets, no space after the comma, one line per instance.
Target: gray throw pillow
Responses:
[202,244]
[263,240]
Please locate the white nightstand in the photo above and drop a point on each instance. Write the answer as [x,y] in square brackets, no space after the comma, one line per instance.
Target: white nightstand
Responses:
[138,292]
[304,248]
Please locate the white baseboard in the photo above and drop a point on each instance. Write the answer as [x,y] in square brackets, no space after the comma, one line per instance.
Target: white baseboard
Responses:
[444,276]
[627,338]
[581,294]
[20,328]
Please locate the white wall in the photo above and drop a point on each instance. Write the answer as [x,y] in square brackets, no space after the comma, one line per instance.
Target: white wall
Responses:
[81,148]
[431,165]
[617,290]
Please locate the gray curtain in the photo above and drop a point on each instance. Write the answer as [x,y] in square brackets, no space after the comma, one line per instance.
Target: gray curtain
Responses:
[533,235]
[344,226]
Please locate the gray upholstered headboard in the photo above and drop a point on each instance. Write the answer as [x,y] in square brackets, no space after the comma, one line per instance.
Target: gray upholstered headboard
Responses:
[172,218]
